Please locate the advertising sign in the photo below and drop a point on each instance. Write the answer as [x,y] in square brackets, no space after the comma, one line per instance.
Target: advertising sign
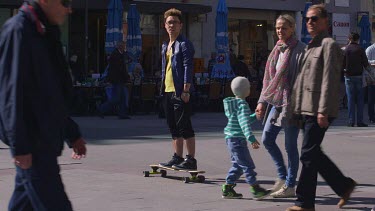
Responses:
[340,27]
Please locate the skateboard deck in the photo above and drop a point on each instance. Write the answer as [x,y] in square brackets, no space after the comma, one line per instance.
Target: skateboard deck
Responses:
[163,172]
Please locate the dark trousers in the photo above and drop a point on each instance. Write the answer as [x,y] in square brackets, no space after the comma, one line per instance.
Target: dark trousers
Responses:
[40,187]
[178,115]
[315,161]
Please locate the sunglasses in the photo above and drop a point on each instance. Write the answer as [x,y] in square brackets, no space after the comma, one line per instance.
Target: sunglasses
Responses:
[66,3]
[312,18]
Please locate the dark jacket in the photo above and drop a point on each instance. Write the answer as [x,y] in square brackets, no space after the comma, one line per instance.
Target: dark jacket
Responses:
[35,86]
[182,64]
[117,72]
[241,69]
[355,60]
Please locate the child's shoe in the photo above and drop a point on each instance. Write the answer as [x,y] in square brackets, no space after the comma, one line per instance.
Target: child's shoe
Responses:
[229,193]
[259,192]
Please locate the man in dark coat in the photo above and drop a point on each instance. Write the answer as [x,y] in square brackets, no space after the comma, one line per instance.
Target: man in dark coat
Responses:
[35,89]
[118,77]
[240,68]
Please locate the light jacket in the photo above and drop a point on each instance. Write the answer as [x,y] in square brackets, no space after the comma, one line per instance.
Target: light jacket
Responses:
[317,87]
[239,119]
[182,64]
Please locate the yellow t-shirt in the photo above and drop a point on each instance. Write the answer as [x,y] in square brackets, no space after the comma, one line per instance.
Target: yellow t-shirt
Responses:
[169,85]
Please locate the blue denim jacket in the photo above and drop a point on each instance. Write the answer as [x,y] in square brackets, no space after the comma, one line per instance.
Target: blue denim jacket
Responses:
[182,64]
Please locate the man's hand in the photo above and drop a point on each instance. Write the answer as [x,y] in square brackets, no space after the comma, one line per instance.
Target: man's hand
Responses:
[79,149]
[255,144]
[322,120]
[260,110]
[185,97]
[23,161]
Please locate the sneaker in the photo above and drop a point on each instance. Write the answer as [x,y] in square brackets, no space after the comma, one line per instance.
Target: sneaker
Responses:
[229,193]
[362,125]
[279,183]
[297,208]
[189,163]
[259,192]
[346,196]
[284,192]
[174,161]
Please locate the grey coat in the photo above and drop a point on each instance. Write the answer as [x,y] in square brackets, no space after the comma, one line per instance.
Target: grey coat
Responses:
[293,70]
[317,87]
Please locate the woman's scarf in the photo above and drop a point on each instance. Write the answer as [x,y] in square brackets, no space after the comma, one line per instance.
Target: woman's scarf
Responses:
[275,82]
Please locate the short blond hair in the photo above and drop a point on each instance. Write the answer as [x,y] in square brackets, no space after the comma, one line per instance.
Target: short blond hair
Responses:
[173,12]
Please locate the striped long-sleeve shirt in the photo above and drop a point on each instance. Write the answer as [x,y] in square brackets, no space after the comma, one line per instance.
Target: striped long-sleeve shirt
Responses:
[239,119]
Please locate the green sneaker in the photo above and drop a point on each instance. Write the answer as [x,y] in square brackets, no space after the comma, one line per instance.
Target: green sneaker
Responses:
[229,193]
[259,192]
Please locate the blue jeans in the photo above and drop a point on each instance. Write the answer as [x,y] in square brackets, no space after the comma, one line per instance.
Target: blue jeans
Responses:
[354,93]
[371,102]
[40,187]
[269,136]
[119,96]
[242,163]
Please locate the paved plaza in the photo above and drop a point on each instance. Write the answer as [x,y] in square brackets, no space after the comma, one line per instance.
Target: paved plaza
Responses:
[111,179]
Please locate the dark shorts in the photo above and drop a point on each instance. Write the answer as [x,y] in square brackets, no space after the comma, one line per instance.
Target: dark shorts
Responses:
[178,115]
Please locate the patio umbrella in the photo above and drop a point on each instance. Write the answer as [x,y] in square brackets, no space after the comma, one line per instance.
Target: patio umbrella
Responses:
[305,36]
[114,25]
[222,68]
[365,37]
[134,37]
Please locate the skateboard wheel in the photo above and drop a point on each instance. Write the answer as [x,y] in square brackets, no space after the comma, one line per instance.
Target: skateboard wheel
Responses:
[201,178]
[186,179]
[163,173]
[146,173]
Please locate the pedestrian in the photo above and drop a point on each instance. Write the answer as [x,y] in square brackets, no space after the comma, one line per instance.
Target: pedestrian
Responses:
[240,68]
[35,91]
[370,82]
[316,100]
[177,78]
[281,71]
[237,133]
[117,77]
[355,60]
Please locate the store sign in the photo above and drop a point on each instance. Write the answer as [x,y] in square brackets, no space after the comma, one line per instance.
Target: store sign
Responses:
[340,27]
[342,3]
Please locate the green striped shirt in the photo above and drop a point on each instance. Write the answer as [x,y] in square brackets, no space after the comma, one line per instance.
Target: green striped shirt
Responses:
[239,119]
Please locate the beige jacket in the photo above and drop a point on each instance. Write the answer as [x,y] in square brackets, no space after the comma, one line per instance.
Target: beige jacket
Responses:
[317,86]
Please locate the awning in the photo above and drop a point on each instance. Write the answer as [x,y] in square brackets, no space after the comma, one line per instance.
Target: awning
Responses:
[145,7]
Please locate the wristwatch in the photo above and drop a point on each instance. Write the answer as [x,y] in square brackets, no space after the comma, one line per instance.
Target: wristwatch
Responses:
[185,94]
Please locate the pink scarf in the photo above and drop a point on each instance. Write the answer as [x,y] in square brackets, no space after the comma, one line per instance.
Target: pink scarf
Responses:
[275,82]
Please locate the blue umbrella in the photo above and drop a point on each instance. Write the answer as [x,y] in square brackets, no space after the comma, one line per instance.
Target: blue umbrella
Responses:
[305,36]
[222,68]
[134,38]
[365,37]
[114,25]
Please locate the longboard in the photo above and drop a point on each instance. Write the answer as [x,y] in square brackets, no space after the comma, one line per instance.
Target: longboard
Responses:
[163,172]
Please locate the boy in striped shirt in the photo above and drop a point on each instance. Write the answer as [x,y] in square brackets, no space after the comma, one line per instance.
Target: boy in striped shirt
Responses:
[236,132]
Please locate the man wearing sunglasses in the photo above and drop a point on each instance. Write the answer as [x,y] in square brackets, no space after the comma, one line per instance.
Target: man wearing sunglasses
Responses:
[316,100]
[34,97]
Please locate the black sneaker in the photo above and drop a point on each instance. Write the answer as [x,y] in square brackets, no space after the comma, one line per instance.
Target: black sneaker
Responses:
[174,161]
[189,163]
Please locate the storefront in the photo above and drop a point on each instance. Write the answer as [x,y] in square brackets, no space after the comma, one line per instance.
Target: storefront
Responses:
[152,28]
[251,27]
